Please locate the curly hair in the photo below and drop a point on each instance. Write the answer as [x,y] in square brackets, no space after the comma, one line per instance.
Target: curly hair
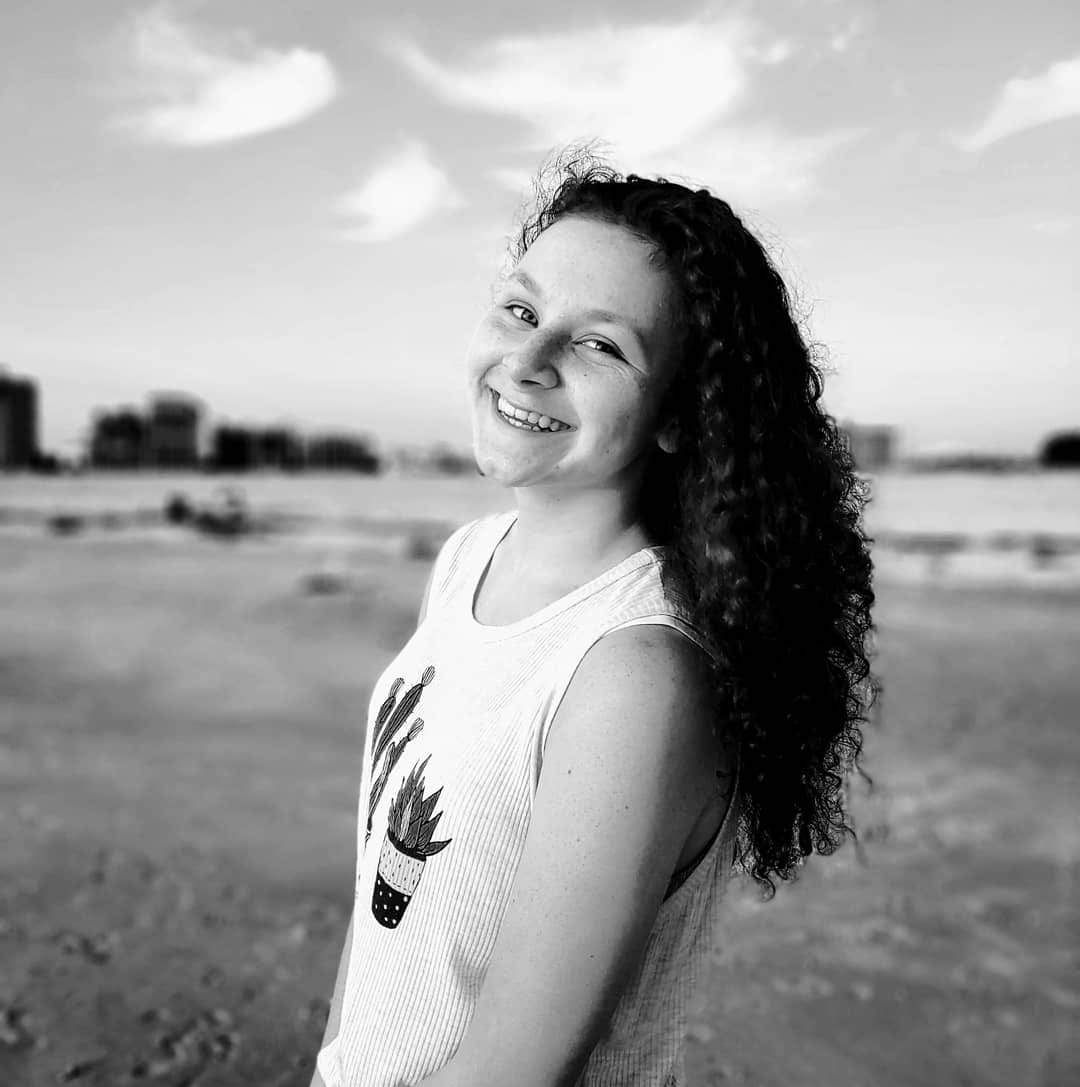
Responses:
[759,506]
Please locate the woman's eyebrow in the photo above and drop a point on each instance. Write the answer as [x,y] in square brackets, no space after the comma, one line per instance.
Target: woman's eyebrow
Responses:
[526,281]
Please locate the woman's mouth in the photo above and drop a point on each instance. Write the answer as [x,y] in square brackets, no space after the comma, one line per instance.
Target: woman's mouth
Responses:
[528,422]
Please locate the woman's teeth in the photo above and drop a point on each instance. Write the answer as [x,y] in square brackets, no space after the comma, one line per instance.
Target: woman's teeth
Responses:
[528,420]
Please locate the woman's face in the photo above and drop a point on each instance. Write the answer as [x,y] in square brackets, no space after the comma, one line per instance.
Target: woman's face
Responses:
[583,331]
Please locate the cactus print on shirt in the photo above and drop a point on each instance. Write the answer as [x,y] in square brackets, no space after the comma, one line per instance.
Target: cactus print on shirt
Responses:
[412,819]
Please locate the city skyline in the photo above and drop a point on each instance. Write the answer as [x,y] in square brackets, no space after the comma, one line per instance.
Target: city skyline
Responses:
[296,215]
[171,430]
[190,434]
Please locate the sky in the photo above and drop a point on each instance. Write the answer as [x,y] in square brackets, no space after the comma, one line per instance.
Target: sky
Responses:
[295,212]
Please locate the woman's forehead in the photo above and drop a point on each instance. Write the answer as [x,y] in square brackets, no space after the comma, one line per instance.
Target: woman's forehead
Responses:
[599,265]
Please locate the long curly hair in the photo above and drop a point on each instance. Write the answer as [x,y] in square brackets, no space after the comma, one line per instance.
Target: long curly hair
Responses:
[759,507]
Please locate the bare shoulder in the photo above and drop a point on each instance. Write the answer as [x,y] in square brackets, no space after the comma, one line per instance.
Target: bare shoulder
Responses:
[652,654]
[660,648]
[653,686]
[653,662]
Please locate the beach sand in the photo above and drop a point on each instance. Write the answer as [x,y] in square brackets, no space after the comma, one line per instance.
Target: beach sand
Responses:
[180,737]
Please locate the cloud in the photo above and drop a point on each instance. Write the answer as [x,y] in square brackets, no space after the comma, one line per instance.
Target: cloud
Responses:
[401,192]
[198,87]
[641,87]
[752,164]
[659,96]
[1026,103]
[742,165]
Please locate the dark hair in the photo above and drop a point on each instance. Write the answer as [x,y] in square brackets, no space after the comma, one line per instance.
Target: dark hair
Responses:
[759,506]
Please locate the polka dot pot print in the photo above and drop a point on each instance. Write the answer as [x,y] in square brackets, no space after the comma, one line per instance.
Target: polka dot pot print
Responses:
[406,848]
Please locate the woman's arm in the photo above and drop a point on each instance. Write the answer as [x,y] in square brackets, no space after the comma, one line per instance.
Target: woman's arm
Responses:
[629,765]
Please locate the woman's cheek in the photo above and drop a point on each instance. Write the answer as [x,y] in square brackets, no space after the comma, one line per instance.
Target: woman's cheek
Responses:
[496,335]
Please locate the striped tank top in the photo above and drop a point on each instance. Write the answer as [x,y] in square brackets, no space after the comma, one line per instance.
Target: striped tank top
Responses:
[453,752]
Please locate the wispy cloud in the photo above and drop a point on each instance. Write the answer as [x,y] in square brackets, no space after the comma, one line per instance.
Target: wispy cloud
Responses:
[197,87]
[659,96]
[755,163]
[620,82]
[403,190]
[1026,103]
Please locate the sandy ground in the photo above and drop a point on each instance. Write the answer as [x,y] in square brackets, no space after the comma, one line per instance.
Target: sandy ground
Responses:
[180,729]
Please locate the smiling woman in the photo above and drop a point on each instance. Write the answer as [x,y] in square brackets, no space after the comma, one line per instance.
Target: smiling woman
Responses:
[648,673]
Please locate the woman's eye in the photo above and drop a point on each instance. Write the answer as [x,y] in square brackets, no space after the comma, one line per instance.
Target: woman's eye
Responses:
[603,345]
[522,313]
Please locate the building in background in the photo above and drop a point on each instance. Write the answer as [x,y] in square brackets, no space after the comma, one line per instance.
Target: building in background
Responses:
[164,436]
[118,439]
[873,447]
[18,422]
[172,433]
[232,449]
[240,449]
[167,436]
[340,452]
[279,447]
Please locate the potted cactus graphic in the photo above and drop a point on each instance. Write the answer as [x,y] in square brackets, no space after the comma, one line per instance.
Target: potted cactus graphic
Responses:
[388,723]
[406,848]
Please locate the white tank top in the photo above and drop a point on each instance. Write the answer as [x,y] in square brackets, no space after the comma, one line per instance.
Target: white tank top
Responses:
[453,752]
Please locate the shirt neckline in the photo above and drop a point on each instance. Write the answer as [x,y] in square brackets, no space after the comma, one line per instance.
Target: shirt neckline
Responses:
[501,529]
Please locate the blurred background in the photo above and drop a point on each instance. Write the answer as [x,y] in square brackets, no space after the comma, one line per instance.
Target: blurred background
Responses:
[244,245]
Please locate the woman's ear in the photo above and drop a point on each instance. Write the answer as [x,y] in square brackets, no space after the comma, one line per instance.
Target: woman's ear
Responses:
[668,436]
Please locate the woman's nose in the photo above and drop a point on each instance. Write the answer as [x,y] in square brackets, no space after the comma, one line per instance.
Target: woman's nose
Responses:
[533,360]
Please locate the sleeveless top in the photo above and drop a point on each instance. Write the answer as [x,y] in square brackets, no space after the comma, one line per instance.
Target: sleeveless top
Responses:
[453,751]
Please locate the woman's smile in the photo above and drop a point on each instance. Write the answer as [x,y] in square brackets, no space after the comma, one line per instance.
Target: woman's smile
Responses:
[533,423]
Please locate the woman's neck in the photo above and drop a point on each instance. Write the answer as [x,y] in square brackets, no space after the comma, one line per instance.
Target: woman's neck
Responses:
[556,537]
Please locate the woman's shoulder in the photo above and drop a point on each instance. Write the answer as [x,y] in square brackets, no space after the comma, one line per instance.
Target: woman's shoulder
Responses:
[659,663]
[664,606]
[672,660]
[660,650]
[658,684]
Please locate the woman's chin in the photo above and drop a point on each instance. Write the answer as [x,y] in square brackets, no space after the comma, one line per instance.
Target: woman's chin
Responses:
[495,469]
[502,467]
